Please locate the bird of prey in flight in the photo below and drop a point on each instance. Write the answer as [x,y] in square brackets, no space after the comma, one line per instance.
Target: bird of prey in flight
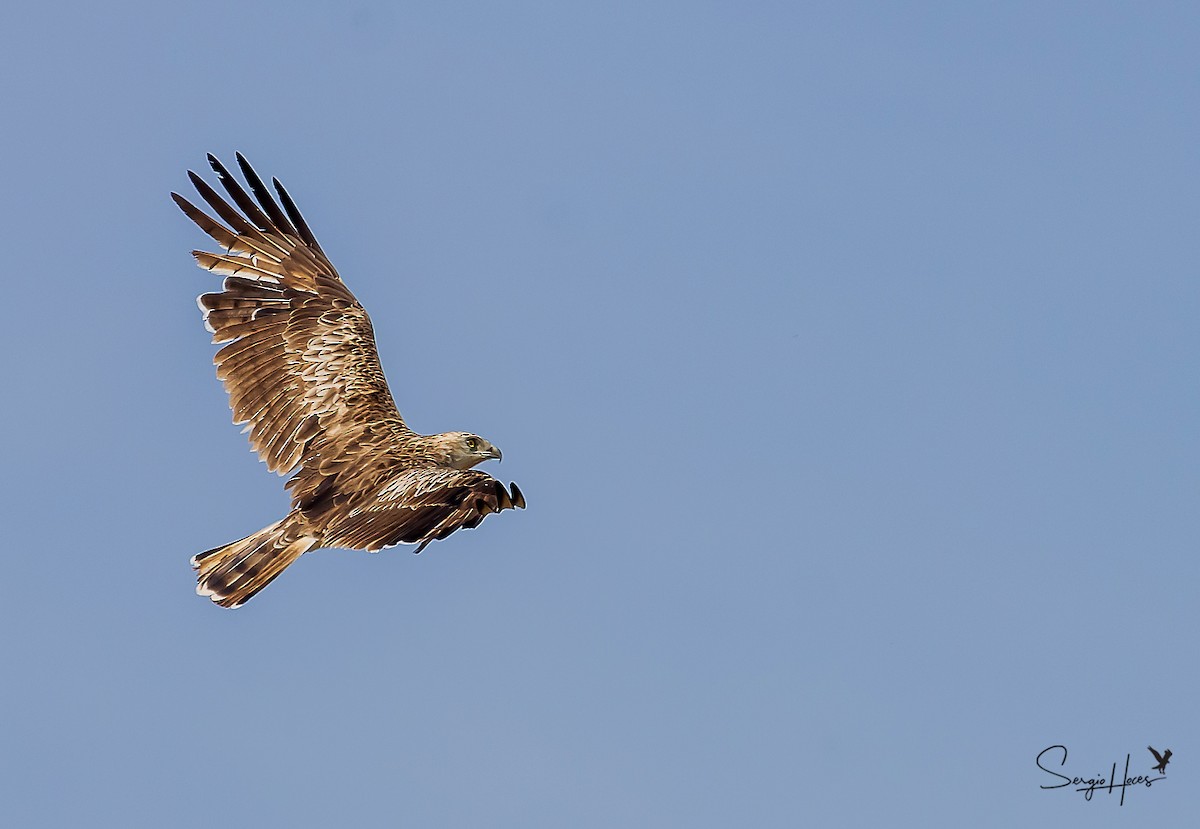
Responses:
[298,360]
[1162,759]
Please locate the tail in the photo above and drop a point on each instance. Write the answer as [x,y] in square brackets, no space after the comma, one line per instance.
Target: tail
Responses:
[233,574]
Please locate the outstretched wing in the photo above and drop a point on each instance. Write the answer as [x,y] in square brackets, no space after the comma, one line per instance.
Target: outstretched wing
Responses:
[1157,756]
[422,505]
[299,363]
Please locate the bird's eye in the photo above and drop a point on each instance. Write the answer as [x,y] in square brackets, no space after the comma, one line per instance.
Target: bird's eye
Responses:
[472,444]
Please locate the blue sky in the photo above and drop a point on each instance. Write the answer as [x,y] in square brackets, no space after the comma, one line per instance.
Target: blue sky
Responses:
[845,352]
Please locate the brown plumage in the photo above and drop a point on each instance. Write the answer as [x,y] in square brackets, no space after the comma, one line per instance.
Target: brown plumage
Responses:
[299,362]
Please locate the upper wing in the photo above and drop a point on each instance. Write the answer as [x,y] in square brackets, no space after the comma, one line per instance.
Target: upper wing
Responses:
[300,363]
[1157,756]
[419,506]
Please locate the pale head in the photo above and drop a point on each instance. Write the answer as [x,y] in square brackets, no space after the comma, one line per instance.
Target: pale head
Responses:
[463,449]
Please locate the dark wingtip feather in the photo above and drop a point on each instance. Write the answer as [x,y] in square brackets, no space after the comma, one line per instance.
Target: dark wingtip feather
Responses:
[256,217]
[265,199]
[226,178]
[518,498]
[247,170]
[222,208]
[502,499]
[294,213]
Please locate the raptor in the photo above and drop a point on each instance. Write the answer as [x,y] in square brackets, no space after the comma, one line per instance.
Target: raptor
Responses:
[299,362]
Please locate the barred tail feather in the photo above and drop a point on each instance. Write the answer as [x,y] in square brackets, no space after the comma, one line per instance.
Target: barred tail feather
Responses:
[233,574]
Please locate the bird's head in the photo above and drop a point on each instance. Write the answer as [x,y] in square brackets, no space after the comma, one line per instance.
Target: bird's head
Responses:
[464,450]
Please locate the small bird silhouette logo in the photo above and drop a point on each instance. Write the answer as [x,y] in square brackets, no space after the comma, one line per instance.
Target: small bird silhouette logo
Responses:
[1162,759]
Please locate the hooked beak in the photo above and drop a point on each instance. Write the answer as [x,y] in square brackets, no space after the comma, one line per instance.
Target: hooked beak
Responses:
[495,453]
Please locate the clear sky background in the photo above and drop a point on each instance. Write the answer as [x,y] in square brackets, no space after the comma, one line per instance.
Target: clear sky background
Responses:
[846,354]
